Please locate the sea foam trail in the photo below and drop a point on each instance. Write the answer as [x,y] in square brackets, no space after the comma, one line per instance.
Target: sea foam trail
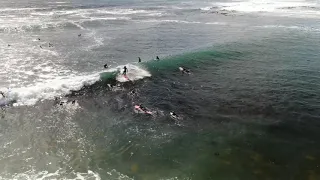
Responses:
[63,85]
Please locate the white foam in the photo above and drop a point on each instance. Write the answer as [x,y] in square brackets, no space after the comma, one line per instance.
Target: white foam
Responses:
[180,21]
[59,174]
[122,11]
[107,18]
[23,19]
[206,8]
[59,86]
[17,9]
[48,88]
[134,73]
[59,2]
[301,28]
[295,8]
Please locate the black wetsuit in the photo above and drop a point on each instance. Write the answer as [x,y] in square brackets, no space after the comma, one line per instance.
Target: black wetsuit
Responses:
[139,59]
[142,108]
[2,94]
[125,70]
[105,66]
[158,58]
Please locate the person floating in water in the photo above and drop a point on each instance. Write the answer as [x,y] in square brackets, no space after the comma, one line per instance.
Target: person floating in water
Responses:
[50,45]
[157,58]
[125,70]
[79,35]
[105,66]
[139,59]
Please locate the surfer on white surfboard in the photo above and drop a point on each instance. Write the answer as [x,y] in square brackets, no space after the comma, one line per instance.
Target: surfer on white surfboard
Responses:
[140,109]
[125,70]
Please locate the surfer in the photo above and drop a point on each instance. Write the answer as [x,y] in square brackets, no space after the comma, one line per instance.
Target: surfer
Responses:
[50,45]
[143,108]
[157,58]
[105,66]
[139,59]
[173,115]
[132,92]
[2,94]
[140,109]
[125,70]
[79,35]
[184,70]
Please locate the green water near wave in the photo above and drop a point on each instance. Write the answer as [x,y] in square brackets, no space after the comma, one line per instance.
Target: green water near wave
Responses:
[245,117]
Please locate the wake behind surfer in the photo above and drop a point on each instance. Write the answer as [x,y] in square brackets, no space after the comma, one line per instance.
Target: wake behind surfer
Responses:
[125,70]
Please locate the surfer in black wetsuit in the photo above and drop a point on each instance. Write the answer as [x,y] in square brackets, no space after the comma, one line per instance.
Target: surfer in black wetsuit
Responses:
[125,70]
[142,108]
[157,58]
[2,94]
[132,92]
[139,59]
[105,66]
[184,70]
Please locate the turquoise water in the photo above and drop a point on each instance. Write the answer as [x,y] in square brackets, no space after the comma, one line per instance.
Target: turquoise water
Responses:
[248,110]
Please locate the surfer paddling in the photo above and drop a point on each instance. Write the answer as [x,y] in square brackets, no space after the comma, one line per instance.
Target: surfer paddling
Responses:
[140,109]
[173,115]
[105,66]
[184,70]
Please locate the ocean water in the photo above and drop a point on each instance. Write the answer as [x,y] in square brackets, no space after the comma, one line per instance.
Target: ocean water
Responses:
[249,110]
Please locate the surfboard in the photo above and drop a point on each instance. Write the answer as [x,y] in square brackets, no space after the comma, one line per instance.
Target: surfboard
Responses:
[126,77]
[139,110]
